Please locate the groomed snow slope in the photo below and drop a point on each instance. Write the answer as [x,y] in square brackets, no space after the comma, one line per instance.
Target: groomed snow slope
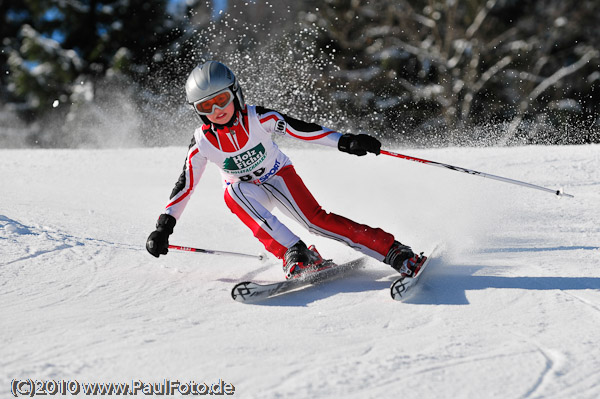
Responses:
[510,310]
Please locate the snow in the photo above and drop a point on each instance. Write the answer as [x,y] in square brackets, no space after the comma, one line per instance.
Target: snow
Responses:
[509,310]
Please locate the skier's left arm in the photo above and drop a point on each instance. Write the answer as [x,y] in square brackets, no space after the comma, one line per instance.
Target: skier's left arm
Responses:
[357,144]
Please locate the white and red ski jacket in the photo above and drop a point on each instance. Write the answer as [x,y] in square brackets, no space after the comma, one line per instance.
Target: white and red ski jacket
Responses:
[243,151]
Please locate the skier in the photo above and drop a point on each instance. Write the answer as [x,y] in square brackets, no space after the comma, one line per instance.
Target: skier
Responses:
[259,176]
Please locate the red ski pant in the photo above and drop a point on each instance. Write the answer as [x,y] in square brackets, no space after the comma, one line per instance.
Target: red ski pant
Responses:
[286,191]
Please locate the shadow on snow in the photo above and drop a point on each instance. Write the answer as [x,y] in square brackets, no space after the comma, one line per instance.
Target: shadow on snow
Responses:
[443,284]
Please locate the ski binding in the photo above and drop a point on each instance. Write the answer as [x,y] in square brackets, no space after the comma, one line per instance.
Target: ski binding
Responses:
[249,291]
[403,287]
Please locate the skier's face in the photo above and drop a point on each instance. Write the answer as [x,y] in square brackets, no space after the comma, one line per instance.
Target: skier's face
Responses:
[222,116]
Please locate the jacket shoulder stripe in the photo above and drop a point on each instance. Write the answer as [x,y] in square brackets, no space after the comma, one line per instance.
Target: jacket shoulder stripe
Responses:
[191,182]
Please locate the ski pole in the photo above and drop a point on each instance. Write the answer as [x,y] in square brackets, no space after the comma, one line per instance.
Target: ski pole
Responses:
[215,252]
[560,193]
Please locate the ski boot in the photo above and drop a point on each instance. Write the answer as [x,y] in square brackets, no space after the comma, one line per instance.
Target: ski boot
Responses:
[299,259]
[404,260]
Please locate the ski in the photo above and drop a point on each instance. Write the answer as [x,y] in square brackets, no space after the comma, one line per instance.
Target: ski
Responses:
[249,291]
[403,287]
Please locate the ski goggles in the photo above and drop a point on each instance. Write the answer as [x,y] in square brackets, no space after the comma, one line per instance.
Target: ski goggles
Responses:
[220,100]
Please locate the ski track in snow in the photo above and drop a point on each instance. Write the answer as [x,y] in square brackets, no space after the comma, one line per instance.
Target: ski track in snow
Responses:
[510,308]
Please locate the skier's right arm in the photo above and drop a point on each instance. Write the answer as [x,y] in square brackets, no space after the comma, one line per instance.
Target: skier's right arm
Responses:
[195,164]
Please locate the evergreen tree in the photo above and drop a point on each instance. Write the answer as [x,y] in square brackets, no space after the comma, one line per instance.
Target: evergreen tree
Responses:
[64,50]
[14,14]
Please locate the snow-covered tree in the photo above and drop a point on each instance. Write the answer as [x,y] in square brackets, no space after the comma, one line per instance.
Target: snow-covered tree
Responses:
[68,48]
[440,65]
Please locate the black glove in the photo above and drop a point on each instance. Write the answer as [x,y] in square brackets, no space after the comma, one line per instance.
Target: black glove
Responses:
[359,144]
[158,241]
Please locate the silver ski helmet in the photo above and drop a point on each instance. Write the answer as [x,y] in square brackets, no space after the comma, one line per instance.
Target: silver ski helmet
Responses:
[210,78]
